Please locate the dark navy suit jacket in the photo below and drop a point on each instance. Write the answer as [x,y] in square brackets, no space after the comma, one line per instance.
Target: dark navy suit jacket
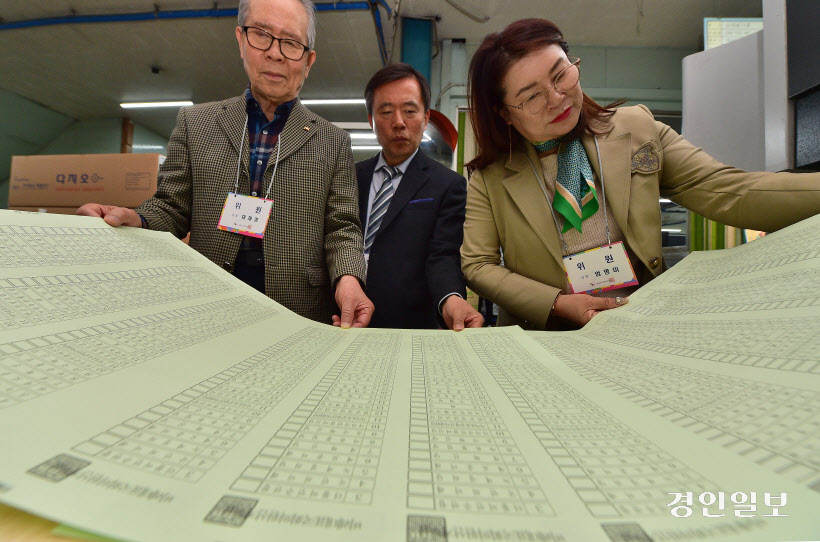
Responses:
[415,259]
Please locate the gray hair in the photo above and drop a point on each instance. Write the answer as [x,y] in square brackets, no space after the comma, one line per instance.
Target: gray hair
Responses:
[310,9]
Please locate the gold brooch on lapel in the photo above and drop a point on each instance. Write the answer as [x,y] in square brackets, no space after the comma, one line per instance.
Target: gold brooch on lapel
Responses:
[646,159]
[307,129]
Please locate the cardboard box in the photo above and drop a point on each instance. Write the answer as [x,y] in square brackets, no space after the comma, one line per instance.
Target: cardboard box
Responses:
[71,180]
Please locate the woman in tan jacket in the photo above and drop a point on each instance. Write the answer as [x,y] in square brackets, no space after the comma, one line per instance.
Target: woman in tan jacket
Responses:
[568,190]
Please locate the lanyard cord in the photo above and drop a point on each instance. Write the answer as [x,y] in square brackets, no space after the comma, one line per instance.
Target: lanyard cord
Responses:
[239,160]
[276,165]
[554,218]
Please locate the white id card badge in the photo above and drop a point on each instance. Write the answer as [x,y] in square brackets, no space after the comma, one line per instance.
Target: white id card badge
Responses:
[245,215]
[599,269]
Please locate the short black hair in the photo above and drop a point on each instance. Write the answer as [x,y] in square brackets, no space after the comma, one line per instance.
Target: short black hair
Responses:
[395,72]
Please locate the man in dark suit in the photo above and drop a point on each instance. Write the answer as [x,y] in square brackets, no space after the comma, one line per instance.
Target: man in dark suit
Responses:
[412,212]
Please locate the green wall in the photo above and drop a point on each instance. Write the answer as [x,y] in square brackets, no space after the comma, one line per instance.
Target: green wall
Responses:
[25,128]
[97,136]
[146,140]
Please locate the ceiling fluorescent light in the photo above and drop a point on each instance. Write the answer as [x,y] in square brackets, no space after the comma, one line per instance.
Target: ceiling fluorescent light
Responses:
[352,101]
[353,125]
[366,147]
[354,135]
[133,105]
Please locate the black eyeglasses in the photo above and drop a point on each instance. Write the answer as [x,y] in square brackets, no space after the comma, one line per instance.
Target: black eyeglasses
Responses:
[263,40]
[564,81]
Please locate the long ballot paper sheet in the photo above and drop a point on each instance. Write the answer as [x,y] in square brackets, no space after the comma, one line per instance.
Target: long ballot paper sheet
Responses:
[147,395]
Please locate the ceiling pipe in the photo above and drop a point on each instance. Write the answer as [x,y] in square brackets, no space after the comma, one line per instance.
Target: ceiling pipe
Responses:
[347,6]
[121,17]
[377,23]
[177,14]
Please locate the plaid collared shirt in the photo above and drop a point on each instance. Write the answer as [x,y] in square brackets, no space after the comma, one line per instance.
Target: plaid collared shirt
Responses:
[262,138]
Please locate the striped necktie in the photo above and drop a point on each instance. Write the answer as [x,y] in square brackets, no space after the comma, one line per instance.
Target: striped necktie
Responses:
[380,205]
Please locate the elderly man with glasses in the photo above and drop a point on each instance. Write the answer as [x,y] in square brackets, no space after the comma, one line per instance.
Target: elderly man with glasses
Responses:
[266,189]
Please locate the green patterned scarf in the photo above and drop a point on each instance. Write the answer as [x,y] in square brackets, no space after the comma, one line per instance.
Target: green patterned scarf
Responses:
[575,196]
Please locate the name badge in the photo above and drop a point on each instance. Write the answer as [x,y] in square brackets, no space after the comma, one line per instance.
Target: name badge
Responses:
[245,215]
[600,269]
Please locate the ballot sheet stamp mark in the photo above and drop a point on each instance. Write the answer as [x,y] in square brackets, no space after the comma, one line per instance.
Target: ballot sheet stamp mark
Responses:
[426,529]
[231,511]
[59,467]
[625,532]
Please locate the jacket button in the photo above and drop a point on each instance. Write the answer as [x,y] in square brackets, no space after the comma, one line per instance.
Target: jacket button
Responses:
[227,266]
[654,263]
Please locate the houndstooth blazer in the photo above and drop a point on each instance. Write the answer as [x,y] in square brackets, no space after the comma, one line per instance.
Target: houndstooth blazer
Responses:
[314,233]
